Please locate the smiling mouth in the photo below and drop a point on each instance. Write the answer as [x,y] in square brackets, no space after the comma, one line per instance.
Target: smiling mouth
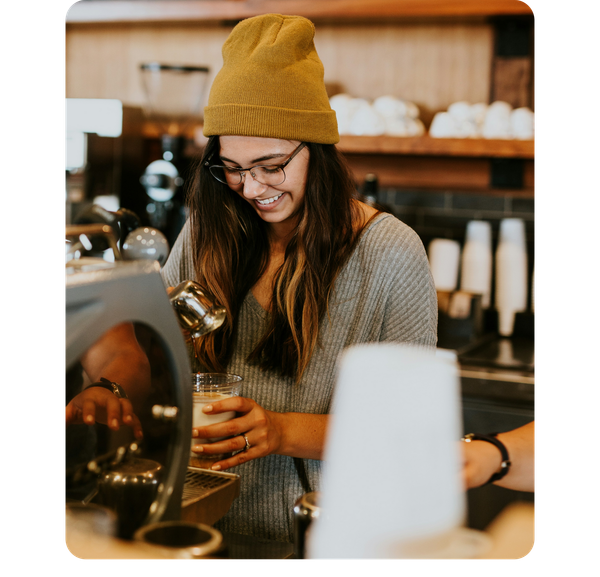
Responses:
[269,200]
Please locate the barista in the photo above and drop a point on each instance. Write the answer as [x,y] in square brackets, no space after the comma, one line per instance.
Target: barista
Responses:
[303,268]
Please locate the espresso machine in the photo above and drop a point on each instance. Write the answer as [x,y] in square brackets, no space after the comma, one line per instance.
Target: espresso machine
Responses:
[174,95]
[142,483]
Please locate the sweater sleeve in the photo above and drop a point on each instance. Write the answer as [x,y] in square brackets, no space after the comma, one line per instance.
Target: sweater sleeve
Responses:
[411,312]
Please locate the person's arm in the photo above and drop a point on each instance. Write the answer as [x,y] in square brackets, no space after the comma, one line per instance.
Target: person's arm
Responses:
[293,434]
[482,460]
[118,357]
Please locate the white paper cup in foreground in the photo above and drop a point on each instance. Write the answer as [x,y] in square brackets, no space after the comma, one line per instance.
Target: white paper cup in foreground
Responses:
[394,483]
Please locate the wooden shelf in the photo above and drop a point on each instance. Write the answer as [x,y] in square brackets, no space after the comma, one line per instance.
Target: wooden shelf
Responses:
[427,146]
[120,11]
[436,163]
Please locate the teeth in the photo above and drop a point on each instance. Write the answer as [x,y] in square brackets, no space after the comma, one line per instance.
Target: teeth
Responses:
[269,200]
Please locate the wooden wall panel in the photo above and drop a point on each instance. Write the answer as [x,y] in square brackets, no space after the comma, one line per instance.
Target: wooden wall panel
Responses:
[103,61]
[431,64]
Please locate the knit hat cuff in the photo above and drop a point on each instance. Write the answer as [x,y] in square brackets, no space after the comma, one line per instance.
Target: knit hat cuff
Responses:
[319,126]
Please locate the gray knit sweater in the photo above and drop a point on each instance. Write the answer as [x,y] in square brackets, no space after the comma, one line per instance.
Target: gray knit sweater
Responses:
[385,292]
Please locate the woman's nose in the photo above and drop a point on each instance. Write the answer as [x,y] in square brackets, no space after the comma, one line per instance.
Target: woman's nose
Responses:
[252,188]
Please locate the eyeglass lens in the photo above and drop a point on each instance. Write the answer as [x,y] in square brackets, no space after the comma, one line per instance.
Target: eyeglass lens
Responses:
[269,175]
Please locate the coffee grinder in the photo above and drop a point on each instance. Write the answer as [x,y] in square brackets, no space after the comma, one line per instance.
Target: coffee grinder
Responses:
[175,95]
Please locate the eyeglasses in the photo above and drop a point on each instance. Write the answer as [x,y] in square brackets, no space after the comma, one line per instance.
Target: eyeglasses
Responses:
[272,175]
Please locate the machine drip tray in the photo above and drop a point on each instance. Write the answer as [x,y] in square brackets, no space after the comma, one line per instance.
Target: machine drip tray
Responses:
[208,495]
[516,353]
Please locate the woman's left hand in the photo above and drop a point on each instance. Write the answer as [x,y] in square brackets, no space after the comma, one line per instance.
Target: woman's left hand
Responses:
[262,428]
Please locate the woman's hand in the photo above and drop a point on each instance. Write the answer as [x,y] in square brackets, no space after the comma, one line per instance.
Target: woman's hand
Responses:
[96,404]
[263,429]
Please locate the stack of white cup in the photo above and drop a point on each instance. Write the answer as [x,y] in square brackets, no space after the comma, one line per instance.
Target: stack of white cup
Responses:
[444,261]
[476,262]
[396,491]
[511,273]
[476,266]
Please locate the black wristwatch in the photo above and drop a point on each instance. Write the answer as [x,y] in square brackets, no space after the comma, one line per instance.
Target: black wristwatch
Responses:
[491,438]
[111,386]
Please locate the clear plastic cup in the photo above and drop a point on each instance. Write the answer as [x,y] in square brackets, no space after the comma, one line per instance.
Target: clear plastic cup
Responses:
[209,388]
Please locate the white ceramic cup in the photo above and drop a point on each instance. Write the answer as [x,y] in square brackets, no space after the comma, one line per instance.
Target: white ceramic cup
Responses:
[443,126]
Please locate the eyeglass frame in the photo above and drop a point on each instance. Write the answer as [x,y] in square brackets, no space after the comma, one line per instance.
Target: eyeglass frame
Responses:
[242,171]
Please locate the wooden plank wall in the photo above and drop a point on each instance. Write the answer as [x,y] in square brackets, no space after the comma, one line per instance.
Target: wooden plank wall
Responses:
[431,64]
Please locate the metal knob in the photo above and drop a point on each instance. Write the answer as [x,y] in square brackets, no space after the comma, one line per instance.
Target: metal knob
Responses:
[165,412]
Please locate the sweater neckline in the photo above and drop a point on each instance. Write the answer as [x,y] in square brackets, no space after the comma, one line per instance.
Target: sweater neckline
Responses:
[257,308]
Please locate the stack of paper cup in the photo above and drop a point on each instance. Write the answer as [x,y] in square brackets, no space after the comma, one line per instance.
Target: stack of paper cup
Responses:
[477,261]
[511,273]
[391,483]
[444,260]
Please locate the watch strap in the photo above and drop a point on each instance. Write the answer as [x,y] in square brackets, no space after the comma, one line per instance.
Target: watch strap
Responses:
[491,438]
[111,386]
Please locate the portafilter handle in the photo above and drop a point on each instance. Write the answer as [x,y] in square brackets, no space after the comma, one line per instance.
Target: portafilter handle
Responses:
[82,235]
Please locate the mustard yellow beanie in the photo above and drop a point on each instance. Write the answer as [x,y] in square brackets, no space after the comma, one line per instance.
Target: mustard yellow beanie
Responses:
[271,83]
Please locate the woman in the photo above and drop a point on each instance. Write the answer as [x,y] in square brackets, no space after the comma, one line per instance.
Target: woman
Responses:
[303,269]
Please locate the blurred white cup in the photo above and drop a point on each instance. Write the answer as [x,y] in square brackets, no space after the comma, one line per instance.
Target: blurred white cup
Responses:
[497,121]
[511,273]
[444,260]
[521,123]
[478,112]
[390,107]
[341,104]
[477,261]
[461,111]
[443,125]
[396,491]
[366,121]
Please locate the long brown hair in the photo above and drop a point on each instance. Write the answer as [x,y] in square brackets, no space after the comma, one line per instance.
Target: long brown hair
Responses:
[231,252]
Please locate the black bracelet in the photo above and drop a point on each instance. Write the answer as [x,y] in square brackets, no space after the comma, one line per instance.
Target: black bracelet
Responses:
[491,438]
[111,386]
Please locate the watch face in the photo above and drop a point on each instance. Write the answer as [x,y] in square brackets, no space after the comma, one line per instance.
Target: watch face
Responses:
[119,391]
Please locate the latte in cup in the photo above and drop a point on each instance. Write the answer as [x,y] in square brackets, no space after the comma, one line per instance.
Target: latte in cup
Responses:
[209,388]
[201,419]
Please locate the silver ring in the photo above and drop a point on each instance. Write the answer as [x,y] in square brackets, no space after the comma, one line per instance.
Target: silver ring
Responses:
[247,443]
